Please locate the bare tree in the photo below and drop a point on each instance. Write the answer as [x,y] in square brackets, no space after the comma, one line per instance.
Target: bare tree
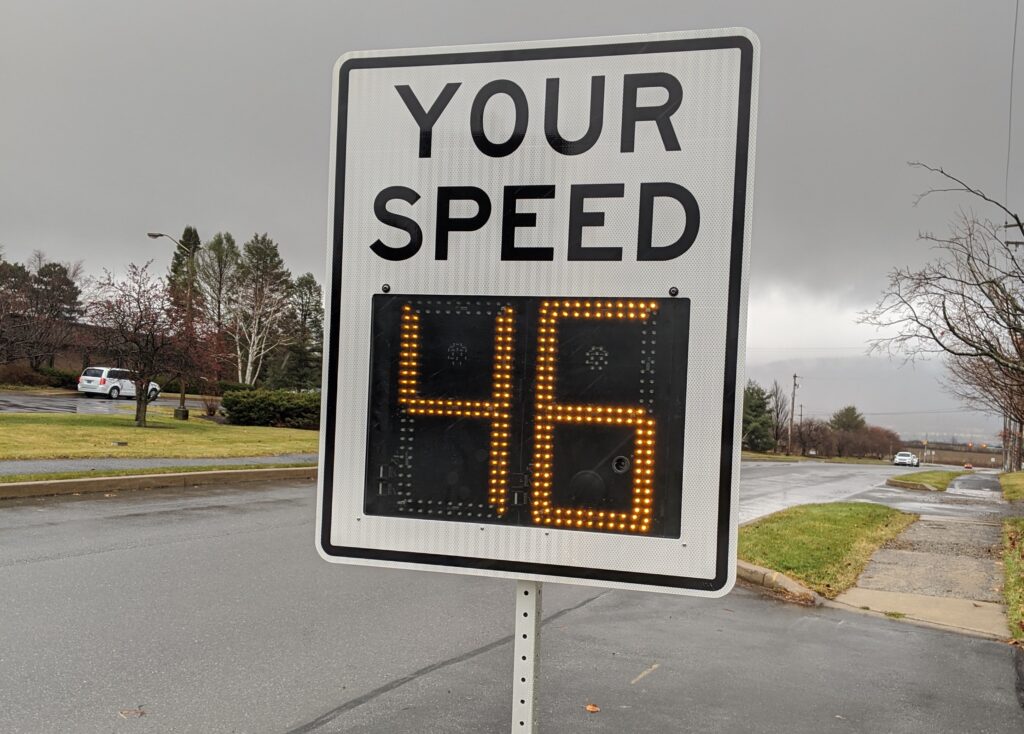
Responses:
[778,411]
[982,382]
[966,303]
[135,316]
[817,436]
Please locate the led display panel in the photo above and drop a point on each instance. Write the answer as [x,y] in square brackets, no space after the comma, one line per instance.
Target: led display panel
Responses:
[557,412]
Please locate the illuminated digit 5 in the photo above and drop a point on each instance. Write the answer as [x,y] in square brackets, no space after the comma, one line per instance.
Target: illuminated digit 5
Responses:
[497,410]
[549,414]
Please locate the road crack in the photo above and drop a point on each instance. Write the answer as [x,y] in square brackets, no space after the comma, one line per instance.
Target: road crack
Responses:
[337,711]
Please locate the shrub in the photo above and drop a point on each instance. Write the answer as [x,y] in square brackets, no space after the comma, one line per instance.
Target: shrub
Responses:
[227,386]
[211,404]
[59,378]
[203,387]
[20,374]
[272,408]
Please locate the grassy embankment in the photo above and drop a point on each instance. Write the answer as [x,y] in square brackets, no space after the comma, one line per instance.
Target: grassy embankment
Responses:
[823,546]
[938,479]
[74,436]
[1012,485]
[1013,556]
[51,476]
[1013,567]
[757,456]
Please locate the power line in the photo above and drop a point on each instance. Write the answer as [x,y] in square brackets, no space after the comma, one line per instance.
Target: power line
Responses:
[904,412]
[1009,127]
[790,349]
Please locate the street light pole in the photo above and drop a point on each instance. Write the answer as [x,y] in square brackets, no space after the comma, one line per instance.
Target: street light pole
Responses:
[792,410]
[181,412]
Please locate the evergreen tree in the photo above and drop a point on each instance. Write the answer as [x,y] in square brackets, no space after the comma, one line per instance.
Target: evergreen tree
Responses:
[847,419]
[297,364]
[179,274]
[757,420]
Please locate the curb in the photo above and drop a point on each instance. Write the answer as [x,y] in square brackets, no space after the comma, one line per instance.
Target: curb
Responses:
[903,484]
[769,579]
[917,621]
[19,490]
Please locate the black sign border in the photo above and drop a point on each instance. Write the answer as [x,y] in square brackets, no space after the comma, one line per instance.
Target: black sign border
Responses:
[722,570]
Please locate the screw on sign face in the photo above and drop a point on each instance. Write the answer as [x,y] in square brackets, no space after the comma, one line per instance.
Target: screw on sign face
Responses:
[536,309]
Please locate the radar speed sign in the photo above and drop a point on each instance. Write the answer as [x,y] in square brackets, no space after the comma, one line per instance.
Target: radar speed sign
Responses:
[536,309]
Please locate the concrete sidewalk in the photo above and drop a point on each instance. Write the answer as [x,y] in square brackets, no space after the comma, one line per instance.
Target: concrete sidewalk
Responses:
[942,570]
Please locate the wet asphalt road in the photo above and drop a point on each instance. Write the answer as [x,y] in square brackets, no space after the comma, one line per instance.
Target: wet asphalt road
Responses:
[214,614]
[767,486]
[13,402]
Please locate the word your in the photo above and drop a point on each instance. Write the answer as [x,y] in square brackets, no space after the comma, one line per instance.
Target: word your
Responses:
[657,116]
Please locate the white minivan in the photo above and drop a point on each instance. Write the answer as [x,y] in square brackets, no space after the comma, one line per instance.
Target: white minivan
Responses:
[112,382]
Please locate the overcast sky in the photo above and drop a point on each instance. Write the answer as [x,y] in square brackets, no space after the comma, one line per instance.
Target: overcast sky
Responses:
[118,118]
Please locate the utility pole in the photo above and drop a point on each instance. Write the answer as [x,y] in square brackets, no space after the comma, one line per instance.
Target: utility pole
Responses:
[792,411]
[800,433]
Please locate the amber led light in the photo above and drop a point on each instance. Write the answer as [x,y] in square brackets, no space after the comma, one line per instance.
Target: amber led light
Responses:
[549,414]
[497,410]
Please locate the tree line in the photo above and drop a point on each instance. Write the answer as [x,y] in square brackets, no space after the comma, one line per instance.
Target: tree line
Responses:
[222,314]
[846,433]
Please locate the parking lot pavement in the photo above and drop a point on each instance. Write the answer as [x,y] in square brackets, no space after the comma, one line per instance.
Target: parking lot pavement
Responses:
[73,402]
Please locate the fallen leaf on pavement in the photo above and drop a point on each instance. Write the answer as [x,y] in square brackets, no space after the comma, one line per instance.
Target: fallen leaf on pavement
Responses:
[592,708]
[134,713]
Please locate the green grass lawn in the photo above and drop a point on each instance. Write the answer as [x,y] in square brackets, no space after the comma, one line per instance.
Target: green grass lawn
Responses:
[11,478]
[938,479]
[824,546]
[1013,567]
[854,460]
[72,436]
[757,456]
[1013,485]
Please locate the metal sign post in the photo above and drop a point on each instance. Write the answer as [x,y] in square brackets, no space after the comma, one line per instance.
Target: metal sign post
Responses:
[526,646]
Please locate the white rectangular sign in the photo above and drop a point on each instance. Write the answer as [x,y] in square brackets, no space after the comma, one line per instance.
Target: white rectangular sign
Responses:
[537,309]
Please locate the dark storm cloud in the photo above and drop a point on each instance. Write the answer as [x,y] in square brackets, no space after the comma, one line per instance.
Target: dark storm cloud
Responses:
[120,118]
[123,117]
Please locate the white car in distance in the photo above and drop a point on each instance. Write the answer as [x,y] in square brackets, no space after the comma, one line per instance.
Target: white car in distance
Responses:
[905,458]
[112,382]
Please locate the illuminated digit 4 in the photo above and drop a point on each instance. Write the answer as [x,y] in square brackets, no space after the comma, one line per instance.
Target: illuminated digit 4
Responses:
[549,414]
[497,410]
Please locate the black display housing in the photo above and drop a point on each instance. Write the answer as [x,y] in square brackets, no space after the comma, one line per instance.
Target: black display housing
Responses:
[440,467]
